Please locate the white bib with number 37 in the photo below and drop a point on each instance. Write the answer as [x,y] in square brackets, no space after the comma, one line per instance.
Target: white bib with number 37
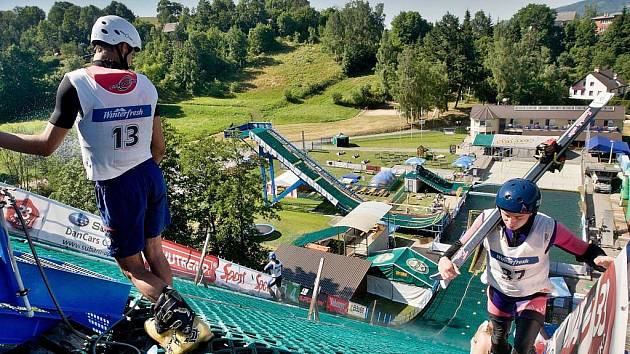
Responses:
[523,270]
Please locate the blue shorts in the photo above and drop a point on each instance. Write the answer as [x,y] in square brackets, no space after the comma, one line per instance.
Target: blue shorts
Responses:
[133,207]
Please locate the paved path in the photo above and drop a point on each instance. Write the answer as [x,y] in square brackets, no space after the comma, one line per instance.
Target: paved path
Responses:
[377,149]
[569,179]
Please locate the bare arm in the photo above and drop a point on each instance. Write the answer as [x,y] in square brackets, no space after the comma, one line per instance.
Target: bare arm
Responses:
[158,146]
[43,144]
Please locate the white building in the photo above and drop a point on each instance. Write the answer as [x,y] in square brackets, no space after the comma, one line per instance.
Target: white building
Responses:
[597,82]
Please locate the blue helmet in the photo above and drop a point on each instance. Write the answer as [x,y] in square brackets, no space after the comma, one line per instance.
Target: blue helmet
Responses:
[519,195]
[272,256]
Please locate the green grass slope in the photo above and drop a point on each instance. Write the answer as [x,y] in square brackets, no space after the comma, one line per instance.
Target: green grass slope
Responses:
[296,69]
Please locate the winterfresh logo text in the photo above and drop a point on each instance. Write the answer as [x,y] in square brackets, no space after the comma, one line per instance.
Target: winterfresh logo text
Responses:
[121,113]
[513,261]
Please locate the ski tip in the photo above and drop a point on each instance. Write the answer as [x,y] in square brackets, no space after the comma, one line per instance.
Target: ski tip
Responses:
[601,99]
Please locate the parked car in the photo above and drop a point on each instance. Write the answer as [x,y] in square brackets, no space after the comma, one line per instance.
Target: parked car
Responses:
[601,183]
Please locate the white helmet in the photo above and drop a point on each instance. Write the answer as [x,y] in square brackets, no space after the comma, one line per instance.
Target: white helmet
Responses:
[114,30]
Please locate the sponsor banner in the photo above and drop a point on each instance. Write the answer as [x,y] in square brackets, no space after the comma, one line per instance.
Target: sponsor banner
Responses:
[599,323]
[55,223]
[67,227]
[184,261]
[357,310]
[291,291]
[337,305]
[519,141]
[306,294]
[242,279]
[101,115]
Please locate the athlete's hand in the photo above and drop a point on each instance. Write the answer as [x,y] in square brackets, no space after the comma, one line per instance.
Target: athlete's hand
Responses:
[448,270]
[604,261]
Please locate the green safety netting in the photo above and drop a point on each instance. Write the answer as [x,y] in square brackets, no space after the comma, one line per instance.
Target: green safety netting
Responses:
[403,265]
[320,235]
[260,323]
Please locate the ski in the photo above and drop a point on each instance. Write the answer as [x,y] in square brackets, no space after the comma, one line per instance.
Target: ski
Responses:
[534,174]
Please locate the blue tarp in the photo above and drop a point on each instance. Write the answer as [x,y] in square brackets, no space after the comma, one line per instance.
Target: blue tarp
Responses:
[603,144]
[350,178]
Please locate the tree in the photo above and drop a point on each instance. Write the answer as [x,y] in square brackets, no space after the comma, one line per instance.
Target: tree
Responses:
[28,16]
[119,9]
[180,229]
[481,25]
[222,14]
[616,38]
[578,57]
[622,66]
[66,179]
[523,73]
[353,34]
[222,196]
[70,31]
[286,24]
[58,11]
[237,46]
[249,13]
[408,27]
[445,43]
[168,11]
[261,39]
[422,84]
[540,20]
[184,74]
[21,78]
[87,17]
[387,60]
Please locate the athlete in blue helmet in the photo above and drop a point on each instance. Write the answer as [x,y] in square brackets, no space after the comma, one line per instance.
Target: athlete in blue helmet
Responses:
[518,264]
[275,268]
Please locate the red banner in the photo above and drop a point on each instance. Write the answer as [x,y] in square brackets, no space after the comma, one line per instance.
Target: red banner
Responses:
[599,323]
[184,261]
[306,294]
[337,305]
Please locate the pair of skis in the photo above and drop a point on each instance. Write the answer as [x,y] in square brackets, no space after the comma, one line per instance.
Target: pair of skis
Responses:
[534,174]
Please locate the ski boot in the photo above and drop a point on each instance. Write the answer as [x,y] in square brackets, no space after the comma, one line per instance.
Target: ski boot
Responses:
[162,338]
[174,325]
[180,343]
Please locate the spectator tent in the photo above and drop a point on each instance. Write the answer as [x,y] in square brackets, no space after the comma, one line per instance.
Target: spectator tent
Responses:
[603,144]
[383,179]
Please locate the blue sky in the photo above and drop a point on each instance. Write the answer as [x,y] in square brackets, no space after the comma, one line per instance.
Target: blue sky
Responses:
[429,9]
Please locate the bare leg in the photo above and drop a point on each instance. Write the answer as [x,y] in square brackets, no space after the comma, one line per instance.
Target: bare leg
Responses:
[146,282]
[154,255]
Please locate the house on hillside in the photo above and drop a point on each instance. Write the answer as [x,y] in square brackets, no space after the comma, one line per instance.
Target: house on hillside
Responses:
[597,82]
[602,22]
[562,18]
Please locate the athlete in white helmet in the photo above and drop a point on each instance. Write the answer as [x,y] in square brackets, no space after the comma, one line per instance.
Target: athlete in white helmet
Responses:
[274,267]
[121,141]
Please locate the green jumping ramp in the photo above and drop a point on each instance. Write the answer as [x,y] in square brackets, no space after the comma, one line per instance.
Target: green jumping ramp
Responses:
[436,182]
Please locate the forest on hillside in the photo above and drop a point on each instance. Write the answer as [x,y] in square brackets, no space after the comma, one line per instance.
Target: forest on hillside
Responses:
[525,59]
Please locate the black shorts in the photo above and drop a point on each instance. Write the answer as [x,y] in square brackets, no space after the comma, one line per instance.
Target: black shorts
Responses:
[275,282]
